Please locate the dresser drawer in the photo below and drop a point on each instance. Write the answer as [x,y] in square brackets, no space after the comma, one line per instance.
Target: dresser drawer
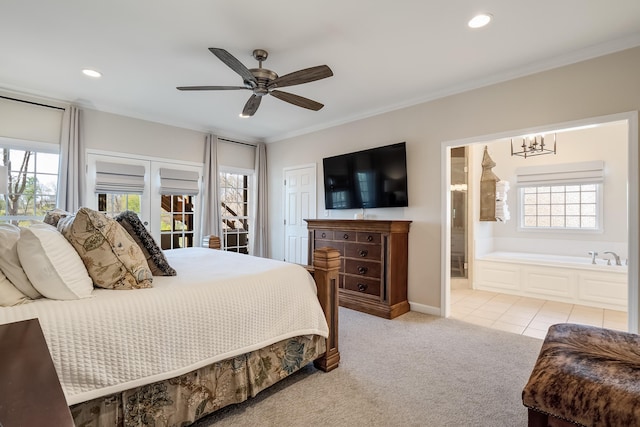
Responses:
[324,234]
[363,236]
[362,285]
[362,268]
[346,236]
[358,250]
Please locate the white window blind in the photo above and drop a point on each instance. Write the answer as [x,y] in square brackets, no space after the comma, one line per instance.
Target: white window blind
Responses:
[563,174]
[119,178]
[175,181]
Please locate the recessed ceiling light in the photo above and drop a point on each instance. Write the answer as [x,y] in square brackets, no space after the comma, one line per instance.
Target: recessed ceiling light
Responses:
[91,73]
[480,20]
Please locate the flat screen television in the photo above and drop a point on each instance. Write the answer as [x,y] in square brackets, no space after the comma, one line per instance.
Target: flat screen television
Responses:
[374,178]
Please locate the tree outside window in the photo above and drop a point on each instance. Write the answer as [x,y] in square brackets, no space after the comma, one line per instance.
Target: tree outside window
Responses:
[32,185]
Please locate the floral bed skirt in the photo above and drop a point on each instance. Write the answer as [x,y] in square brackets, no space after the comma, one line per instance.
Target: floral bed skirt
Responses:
[182,400]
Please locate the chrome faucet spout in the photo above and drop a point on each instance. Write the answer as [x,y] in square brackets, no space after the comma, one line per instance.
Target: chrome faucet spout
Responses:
[615,256]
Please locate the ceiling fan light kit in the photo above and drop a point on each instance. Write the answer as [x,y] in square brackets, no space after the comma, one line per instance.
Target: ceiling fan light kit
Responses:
[262,81]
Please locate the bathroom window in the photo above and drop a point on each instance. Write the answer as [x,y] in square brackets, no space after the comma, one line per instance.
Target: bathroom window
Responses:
[561,207]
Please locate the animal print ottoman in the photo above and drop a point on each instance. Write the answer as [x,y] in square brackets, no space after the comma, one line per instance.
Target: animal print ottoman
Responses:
[586,376]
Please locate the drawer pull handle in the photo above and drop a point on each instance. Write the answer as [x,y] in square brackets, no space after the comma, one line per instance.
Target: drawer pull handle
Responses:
[369,238]
[362,287]
[363,253]
[362,270]
[345,236]
[324,235]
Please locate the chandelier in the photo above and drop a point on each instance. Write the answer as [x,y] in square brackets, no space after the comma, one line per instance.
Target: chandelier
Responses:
[533,146]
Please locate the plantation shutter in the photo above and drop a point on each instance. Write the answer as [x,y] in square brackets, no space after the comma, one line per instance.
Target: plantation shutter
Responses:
[119,178]
[175,181]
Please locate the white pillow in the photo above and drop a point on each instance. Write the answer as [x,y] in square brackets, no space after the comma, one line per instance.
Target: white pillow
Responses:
[52,264]
[10,263]
[9,294]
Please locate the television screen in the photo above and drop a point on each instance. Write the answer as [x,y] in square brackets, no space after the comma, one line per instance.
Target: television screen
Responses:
[374,178]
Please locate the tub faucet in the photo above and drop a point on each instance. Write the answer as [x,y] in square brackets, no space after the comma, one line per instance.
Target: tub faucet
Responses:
[615,256]
[593,254]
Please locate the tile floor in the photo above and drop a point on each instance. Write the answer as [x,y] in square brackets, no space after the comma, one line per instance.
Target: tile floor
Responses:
[527,316]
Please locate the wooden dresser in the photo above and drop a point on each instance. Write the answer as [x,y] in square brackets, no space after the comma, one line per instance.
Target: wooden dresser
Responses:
[373,271]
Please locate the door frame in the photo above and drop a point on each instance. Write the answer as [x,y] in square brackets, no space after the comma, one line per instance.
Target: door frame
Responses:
[633,211]
[284,197]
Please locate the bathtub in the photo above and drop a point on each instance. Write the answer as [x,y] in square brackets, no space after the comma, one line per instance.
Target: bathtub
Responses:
[573,280]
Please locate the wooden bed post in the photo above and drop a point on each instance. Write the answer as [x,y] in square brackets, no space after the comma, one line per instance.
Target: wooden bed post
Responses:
[326,263]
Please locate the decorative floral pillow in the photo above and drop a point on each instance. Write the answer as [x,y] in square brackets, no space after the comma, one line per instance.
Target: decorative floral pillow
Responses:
[155,258]
[112,257]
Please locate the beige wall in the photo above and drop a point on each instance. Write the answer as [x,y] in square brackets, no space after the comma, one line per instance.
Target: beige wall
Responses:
[112,132]
[598,87]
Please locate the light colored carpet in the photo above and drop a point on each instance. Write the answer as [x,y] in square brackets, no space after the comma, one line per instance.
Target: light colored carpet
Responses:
[415,370]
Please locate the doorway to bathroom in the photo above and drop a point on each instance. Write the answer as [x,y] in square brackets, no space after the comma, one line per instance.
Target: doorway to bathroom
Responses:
[461,269]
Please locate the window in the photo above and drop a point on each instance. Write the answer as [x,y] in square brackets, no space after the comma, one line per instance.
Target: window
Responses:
[234,196]
[119,187]
[33,183]
[113,204]
[564,207]
[178,188]
[561,196]
[163,194]
[176,221]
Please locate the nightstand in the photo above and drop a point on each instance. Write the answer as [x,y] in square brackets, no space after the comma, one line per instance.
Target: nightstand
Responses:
[29,386]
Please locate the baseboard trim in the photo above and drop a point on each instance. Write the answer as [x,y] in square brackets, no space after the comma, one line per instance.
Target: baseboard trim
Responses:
[426,309]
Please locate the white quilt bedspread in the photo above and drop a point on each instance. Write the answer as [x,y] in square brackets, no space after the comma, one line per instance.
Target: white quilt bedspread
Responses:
[219,305]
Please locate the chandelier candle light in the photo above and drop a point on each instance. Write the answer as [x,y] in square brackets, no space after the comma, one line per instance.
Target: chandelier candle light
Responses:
[536,146]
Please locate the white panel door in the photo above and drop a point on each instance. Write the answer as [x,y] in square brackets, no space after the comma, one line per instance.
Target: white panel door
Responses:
[299,204]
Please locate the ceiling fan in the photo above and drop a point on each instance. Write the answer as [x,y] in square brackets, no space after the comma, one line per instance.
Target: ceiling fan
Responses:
[265,82]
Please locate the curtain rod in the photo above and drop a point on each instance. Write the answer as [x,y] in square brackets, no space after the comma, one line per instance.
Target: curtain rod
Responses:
[238,142]
[32,103]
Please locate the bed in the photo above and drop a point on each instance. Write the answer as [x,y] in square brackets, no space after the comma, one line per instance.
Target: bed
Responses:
[226,327]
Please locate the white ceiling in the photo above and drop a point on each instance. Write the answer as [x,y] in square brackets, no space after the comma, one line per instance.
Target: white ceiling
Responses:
[384,54]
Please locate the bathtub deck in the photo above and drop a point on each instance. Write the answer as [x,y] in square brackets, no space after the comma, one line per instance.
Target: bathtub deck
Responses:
[527,316]
[571,280]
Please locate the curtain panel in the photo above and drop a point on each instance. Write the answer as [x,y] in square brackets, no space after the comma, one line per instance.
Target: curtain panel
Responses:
[210,199]
[71,174]
[258,238]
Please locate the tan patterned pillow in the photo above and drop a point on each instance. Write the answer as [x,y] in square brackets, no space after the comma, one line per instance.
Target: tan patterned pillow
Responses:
[112,257]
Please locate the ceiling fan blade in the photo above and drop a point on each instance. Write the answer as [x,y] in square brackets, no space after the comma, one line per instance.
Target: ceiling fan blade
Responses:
[234,64]
[302,76]
[211,87]
[297,100]
[251,106]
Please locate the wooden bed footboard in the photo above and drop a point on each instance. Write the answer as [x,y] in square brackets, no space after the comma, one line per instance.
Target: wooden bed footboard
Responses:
[326,264]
